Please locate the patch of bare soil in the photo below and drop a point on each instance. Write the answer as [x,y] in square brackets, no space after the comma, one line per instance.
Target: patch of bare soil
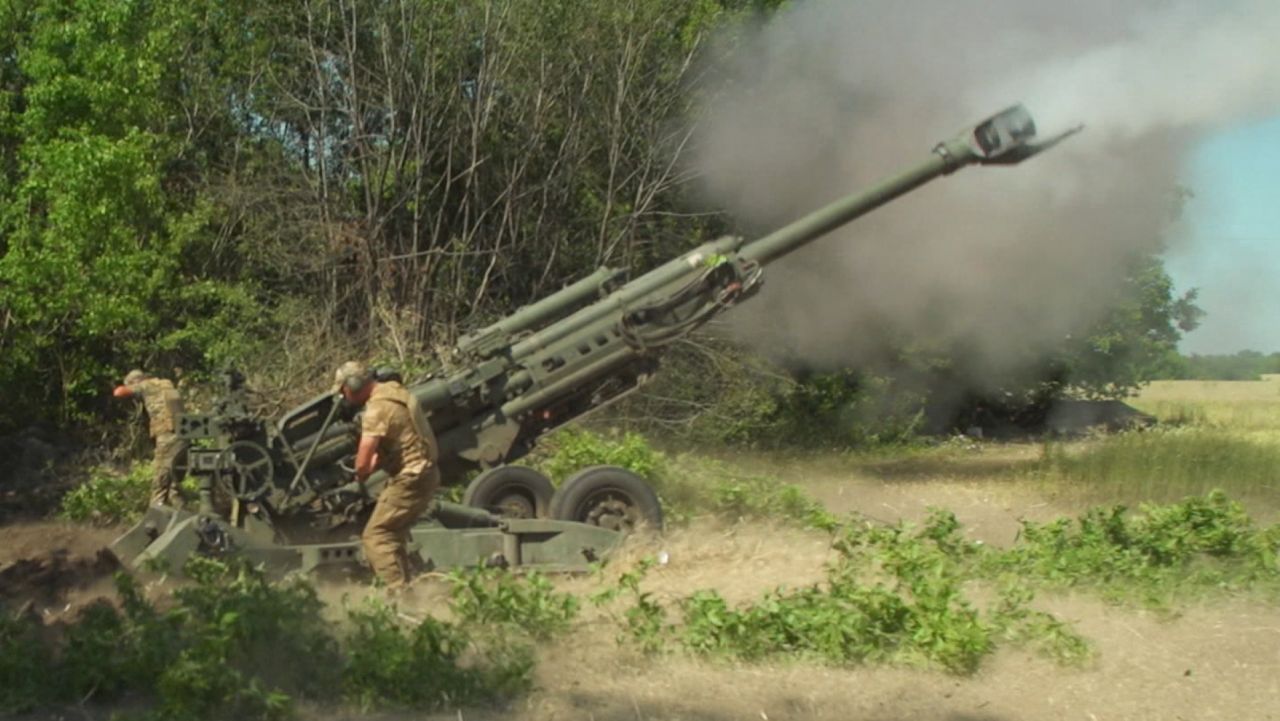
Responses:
[54,568]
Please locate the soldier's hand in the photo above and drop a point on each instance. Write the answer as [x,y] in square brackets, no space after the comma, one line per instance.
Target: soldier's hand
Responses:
[354,487]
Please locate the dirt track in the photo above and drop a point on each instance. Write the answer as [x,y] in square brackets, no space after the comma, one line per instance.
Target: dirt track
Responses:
[1211,662]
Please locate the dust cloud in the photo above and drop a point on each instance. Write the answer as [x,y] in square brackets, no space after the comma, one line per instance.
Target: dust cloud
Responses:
[829,97]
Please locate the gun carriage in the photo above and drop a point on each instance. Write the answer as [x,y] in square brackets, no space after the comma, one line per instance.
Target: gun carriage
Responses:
[549,363]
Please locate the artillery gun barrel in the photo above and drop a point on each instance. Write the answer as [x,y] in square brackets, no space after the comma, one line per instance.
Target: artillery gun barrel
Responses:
[828,218]
[493,337]
[1002,139]
[627,296]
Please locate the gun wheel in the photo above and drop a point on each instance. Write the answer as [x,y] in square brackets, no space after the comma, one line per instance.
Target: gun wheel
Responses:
[609,497]
[511,492]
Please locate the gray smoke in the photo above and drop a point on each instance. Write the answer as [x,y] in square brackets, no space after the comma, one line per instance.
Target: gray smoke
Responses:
[831,96]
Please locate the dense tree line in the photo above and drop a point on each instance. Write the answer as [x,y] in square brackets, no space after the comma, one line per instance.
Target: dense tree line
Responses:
[1246,365]
[273,185]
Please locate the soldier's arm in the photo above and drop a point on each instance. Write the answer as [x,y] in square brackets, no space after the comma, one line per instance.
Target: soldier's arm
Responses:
[366,455]
[122,392]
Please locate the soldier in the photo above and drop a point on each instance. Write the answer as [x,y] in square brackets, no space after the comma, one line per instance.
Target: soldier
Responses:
[394,437]
[163,405]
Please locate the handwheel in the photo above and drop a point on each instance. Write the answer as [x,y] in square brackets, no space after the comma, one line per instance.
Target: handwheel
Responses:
[246,470]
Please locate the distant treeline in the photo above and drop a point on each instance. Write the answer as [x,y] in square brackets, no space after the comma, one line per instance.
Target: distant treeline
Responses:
[1247,365]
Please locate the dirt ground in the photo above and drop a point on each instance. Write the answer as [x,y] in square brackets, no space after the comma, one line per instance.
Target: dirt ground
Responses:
[1213,661]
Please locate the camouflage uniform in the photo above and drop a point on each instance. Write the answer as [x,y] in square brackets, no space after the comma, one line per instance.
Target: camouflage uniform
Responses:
[163,405]
[407,453]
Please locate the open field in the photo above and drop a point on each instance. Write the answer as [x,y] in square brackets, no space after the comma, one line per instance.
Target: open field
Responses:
[1215,656]
[1249,408]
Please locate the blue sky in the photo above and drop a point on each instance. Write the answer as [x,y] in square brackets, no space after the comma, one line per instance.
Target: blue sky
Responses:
[1230,246]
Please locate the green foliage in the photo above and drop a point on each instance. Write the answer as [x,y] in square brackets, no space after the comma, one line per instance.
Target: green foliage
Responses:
[905,594]
[643,622]
[231,646]
[761,497]
[895,594]
[1018,623]
[571,449]
[1203,542]
[109,497]
[424,666]
[528,603]
[25,664]
[96,215]
[1245,365]
[712,391]
[687,486]
[248,645]
[1131,342]
[235,645]
[848,410]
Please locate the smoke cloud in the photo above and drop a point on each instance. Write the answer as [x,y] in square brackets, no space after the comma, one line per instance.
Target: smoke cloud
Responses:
[830,96]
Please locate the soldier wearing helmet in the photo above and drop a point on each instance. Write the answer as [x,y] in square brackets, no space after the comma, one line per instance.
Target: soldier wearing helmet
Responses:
[163,405]
[395,438]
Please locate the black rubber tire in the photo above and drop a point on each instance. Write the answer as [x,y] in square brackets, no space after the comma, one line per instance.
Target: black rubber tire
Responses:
[588,494]
[512,492]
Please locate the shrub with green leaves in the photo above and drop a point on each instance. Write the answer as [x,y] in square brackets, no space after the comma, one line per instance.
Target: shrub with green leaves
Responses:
[760,497]
[529,603]
[1200,543]
[571,449]
[109,496]
[234,644]
[25,664]
[428,665]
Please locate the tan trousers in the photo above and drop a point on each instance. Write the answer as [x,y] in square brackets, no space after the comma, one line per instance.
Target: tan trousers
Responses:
[386,536]
[164,481]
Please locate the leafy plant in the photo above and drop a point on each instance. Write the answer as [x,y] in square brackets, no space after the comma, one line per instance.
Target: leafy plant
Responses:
[529,603]
[109,497]
[1200,543]
[571,449]
[423,666]
[760,497]
[644,620]
[25,664]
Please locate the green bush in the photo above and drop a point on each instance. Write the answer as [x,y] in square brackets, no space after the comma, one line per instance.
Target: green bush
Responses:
[25,664]
[528,603]
[422,667]
[760,497]
[109,497]
[571,449]
[235,645]
[713,391]
[1202,542]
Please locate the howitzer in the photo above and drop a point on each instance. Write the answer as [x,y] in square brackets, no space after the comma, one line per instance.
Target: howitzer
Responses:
[549,363]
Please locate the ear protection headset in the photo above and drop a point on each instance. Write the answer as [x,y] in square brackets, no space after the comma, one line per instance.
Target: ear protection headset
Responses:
[353,377]
[355,383]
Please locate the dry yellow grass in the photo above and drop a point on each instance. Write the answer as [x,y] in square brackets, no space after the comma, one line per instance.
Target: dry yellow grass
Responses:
[1251,408]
